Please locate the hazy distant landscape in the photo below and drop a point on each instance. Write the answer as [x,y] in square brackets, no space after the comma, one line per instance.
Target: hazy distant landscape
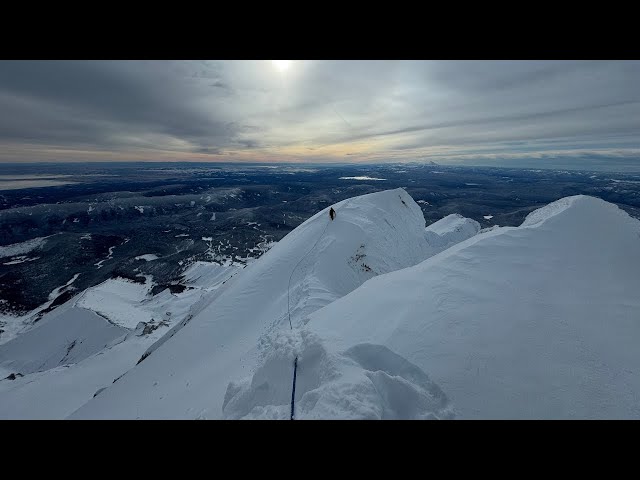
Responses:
[319,239]
[134,220]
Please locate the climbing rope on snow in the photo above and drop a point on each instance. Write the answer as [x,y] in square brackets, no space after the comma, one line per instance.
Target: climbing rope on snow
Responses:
[295,362]
[293,390]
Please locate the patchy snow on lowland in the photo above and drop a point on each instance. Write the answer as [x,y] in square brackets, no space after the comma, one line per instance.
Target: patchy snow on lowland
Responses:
[147,257]
[22,248]
[57,291]
[109,257]
[20,259]
[364,177]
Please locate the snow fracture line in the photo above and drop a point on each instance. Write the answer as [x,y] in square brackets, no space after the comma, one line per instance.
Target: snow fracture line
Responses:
[295,363]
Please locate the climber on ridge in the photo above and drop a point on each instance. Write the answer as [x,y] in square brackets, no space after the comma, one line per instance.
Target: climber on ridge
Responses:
[332,213]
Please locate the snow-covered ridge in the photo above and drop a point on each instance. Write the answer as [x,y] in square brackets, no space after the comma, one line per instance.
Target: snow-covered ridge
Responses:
[389,320]
[548,211]
[537,321]
[77,350]
[450,230]
[225,340]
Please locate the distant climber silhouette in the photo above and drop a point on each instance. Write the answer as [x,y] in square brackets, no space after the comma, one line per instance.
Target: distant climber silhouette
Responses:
[332,213]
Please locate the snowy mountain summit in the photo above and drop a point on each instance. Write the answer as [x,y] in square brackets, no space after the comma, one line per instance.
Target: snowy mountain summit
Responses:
[387,320]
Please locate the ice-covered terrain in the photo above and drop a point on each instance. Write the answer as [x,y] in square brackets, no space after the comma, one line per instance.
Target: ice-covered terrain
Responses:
[387,319]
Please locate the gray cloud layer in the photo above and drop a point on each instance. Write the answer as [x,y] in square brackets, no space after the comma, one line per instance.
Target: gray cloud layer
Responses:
[318,110]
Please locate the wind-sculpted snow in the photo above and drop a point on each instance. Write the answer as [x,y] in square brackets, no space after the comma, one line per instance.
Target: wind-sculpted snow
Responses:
[367,382]
[75,352]
[187,375]
[548,211]
[450,230]
[538,321]
[389,320]
[70,336]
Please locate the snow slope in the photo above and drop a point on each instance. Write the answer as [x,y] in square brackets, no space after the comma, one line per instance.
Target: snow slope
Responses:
[77,349]
[537,321]
[188,375]
[58,392]
[450,230]
[69,336]
[389,320]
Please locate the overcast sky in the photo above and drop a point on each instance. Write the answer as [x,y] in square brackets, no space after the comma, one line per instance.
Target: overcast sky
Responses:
[469,112]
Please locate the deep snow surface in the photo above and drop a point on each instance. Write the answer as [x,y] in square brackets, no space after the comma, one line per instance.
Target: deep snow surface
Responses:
[389,320]
[195,373]
[540,321]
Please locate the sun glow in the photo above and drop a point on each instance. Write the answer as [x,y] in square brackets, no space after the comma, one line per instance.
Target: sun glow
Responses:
[281,65]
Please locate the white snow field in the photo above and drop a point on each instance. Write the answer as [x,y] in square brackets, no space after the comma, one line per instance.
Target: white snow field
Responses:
[450,230]
[69,335]
[188,376]
[82,346]
[148,257]
[389,320]
[539,321]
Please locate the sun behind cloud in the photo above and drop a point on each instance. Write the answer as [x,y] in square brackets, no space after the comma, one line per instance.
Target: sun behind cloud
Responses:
[282,65]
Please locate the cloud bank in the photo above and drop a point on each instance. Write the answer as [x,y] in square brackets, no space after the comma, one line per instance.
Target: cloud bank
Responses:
[320,111]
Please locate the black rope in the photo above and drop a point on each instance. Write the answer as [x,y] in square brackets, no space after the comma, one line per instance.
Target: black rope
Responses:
[293,390]
[295,362]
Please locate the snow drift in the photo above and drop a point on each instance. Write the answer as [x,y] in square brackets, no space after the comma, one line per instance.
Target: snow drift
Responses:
[313,266]
[77,350]
[389,320]
[537,321]
[70,335]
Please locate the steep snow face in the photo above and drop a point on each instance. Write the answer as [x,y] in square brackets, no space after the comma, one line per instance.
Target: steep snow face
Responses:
[366,382]
[537,321]
[14,326]
[58,392]
[69,336]
[78,350]
[317,263]
[118,300]
[450,230]
[208,276]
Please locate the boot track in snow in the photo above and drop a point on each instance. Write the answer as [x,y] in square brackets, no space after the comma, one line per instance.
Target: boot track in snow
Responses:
[295,362]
